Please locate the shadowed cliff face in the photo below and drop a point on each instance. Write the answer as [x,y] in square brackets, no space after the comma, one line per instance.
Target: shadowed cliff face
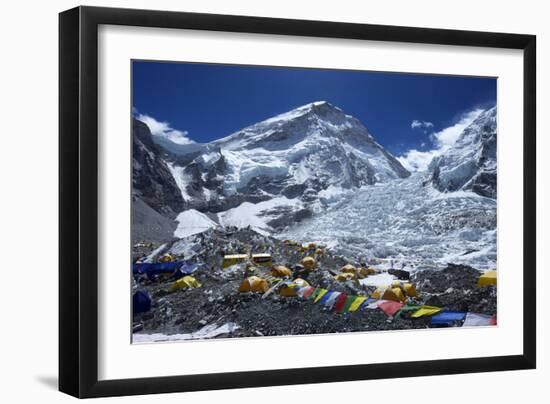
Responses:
[470,164]
[152,181]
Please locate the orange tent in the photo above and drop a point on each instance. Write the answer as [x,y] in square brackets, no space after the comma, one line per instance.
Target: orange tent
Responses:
[309,263]
[254,284]
[281,271]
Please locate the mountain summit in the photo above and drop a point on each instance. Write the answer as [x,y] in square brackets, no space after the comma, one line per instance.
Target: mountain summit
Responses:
[295,154]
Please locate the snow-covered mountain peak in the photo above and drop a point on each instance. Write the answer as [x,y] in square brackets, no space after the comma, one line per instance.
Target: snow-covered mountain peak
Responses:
[282,165]
[317,107]
[310,124]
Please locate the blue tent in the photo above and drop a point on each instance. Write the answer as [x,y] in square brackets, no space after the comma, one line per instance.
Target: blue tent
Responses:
[141,302]
[447,318]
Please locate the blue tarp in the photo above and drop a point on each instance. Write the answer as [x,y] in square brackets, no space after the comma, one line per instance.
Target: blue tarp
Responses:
[447,318]
[141,302]
[177,268]
[156,268]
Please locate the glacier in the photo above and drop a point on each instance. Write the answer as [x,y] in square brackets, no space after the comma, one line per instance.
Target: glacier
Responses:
[407,223]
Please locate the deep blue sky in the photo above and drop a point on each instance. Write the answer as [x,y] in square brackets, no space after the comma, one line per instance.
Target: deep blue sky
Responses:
[212,101]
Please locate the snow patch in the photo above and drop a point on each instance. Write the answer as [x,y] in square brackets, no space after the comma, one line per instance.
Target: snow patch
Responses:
[181,179]
[255,215]
[208,331]
[192,222]
[383,279]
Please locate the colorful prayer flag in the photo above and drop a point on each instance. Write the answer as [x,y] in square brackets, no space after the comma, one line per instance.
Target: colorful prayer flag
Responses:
[390,307]
[313,296]
[330,302]
[348,303]
[326,297]
[339,305]
[357,303]
[426,311]
[407,309]
[307,293]
[477,320]
[447,318]
[321,293]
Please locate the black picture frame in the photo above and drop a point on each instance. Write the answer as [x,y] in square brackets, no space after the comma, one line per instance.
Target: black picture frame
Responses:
[78,200]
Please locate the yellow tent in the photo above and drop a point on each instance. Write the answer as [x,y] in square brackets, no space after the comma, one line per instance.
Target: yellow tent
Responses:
[281,271]
[348,269]
[344,277]
[254,284]
[166,258]
[488,278]
[187,282]
[396,284]
[364,272]
[410,289]
[425,311]
[309,263]
[395,294]
[233,259]
[289,289]
[377,294]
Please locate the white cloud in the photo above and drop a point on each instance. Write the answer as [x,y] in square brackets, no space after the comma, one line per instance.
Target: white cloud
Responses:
[416,160]
[164,129]
[425,125]
[447,137]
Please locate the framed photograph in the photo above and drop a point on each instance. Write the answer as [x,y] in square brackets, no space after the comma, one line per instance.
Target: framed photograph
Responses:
[251,201]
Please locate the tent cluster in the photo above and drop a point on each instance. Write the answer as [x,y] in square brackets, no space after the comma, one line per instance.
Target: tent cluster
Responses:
[310,249]
[168,269]
[349,272]
[278,273]
[397,291]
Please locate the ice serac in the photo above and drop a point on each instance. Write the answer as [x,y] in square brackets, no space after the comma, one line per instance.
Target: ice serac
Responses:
[471,163]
